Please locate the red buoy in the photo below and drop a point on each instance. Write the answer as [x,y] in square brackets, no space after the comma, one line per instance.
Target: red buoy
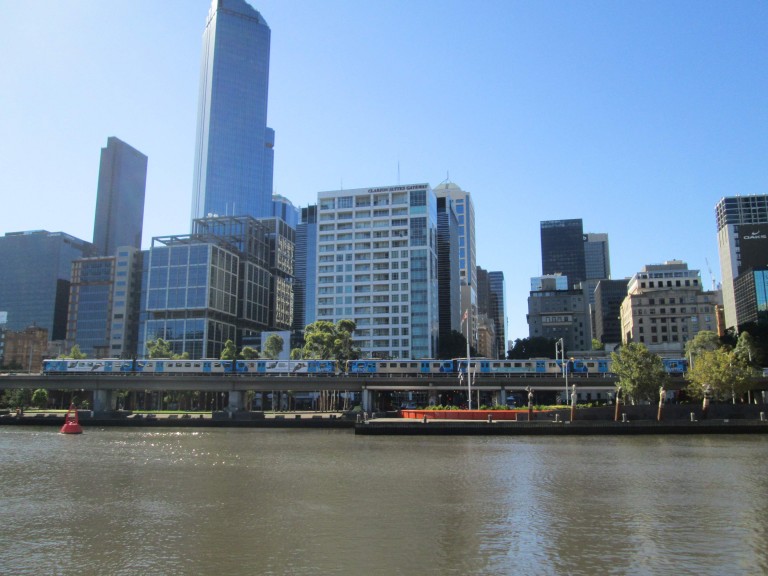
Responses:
[71,422]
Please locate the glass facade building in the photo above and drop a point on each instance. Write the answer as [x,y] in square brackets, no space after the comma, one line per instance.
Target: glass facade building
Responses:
[230,280]
[751,290]
[305,272]
[35,279]
[562,249]
[234,147]
[497,310]
[597,261]
[449,279]
[120,198]
[377,265]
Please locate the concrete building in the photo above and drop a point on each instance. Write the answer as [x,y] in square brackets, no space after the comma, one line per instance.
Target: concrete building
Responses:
[119,217]
[25,349]
[230,280]
[234,156]
[377,265]
[35,279]
[742,238]
[665,307]
[556,313]
[597,258]
[104,304]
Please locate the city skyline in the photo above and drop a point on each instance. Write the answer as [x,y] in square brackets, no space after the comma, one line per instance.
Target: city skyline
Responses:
[636,119]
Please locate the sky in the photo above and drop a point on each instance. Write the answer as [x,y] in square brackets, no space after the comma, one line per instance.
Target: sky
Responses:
[635,116]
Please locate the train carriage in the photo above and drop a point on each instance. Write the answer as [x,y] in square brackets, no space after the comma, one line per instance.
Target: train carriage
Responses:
[400,367]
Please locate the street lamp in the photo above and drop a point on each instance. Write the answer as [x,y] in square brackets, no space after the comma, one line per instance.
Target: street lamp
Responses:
[560,349]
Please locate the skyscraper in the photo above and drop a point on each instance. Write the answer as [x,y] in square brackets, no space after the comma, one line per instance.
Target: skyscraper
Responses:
[742,239]
[234,155]
[562,249]
[120,198]
[597,261]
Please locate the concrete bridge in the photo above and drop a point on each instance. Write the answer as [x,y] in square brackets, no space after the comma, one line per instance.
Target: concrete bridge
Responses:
[104,386]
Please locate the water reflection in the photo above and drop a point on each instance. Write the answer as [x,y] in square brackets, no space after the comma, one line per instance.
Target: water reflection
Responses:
[327,502]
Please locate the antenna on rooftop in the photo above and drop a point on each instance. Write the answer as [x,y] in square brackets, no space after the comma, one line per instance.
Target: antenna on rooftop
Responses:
[712,276]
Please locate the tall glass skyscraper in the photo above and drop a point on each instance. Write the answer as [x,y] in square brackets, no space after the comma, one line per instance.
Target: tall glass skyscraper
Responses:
[120,198]
[562,249]
[234,155]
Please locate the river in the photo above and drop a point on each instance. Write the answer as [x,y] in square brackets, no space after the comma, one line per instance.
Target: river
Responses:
[300,502]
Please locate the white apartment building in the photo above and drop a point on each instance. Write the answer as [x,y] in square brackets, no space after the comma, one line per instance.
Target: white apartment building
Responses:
[377,265]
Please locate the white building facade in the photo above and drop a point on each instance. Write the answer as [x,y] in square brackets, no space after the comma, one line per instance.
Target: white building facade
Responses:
[377,265]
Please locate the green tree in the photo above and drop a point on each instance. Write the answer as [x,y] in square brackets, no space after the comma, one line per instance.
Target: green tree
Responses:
[535,347]
[249,353]
[159,348]
[747,350]
[273,346]
[230,351]
[326,341]
[640,372]
[297,354]
[40,398]
[596,344]
[723,372]
[705,340]
[74,353]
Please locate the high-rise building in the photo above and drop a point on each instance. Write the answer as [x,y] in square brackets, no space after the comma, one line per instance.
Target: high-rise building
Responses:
[665,307]
[465,211]
[234,155]
[229,280]
[497,310]
[305,270]
[104,304]
[449,279]
[35,278]
[609,295]
[120,198]
[556,313]
[377,265]
[562,249]
[285,210]
[597,261]
[742,238]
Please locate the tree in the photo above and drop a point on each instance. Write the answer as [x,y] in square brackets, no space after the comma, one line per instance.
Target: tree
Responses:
[747,350]
[535,347]
[706,340]
[297,354]
[40,398]
[249,353]
[640,372]
[723,372]
[454,346]
[596,344]
[159,349]
[273,346]
[326,341]
[74,354]
[230,351]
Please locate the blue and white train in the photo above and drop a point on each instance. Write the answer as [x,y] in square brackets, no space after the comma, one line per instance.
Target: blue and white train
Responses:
[204,366]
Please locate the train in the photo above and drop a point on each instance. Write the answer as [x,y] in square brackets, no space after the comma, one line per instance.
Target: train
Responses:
[191,367]
[404,367]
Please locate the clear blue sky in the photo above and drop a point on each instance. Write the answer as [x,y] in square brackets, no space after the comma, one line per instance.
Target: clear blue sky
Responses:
[635,116]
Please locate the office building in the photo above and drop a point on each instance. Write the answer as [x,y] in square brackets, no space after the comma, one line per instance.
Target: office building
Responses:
[25,349]
[562,249]
[497,310]
[465,211]
[119,198]
[751,295]
[665,307]
[742,238]
[285,210]
[234,154]
[555,313]
[104,304]
[377,265]
[305,271]
[606,325]
[448,275]
[597,260]
[229,280]
[35,279]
